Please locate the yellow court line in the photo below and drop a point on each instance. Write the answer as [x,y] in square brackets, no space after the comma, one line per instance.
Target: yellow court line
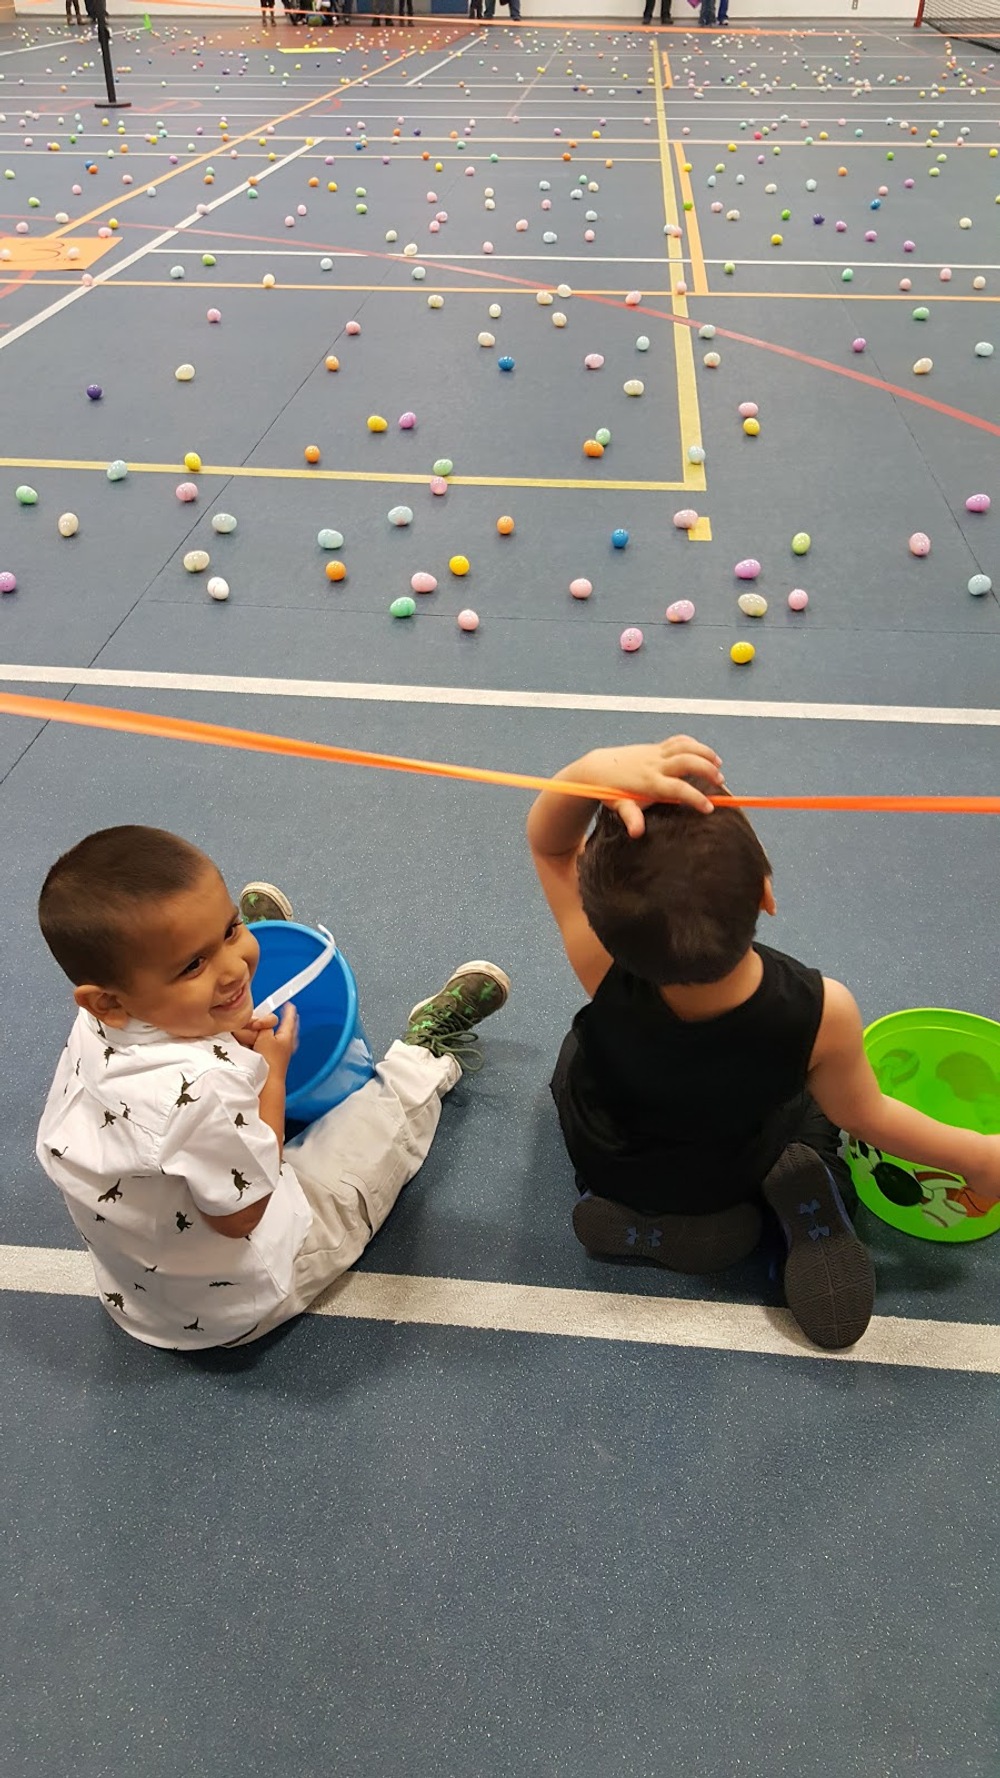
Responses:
[688,411]
[354,475]
[699,278]
[200,160]
[837,296]
[701,532]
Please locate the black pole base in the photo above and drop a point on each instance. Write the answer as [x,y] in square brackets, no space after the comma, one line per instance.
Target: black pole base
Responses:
[113,104]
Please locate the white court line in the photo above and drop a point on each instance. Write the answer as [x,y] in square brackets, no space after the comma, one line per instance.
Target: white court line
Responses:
[72,296]
[970,1346]
[456,55]
[50,43]
[359,691]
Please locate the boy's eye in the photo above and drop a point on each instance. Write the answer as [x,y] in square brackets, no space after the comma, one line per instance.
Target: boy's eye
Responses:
[234,926]
[192,967]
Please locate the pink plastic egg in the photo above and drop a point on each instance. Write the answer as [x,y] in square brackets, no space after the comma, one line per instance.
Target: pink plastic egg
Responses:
[686,518]
[920,544]
[468,620]
[798,599]
[909,247]
[680,612]
[907,184]
[841,227]
[8,582]
[187,491]
[747,569]
[214,315]
[353,328]
[407,422]
[858,345]
[978,503]
[438,485]
[905,284]
[521,226]
[580,589]
[630,640]
[434,227]
[945,274]
[748,410]
[870,235]
[423,583]
[593,361]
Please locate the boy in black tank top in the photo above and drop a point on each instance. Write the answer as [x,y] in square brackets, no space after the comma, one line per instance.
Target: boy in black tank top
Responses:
[709,1075]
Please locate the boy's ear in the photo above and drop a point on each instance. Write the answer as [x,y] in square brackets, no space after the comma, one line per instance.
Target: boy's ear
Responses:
[102,1004]
[768,905]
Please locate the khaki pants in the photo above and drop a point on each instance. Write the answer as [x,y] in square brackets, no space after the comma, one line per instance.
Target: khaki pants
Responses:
[353,1163]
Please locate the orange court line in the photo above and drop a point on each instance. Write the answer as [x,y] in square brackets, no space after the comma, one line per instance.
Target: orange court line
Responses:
[230,142]
[210,734]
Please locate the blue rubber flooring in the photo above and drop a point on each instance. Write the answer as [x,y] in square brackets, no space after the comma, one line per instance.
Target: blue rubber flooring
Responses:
[369,1547]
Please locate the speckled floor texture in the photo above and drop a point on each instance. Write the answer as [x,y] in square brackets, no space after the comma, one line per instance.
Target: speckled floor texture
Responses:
[404,1549]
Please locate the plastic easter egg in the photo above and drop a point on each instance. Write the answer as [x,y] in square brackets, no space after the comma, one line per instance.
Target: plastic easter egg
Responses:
[468,621]
[581,589]
[196,561]
[486,339]
[217,588]
[984,349]
[423,583]
[327,539]
[25,496]
[630,640]
[980,584]
[376,423]
[68,525]
[978,503]
[8,582]
[186,491]
[619,539]
[858,345]
[505,525]
[748,410]
[923,367]
[798,599]
[680,612]
[184,373]
[801,543]
[742,653]
[117,471]
[751,426]
[506,363]
[593,361]
[634,386]
[400,515]
[920,544]
[404,607]
[748,569]
[696,453]
[752,604]
[336,571]
[459,565]
[686,519]
[407,422]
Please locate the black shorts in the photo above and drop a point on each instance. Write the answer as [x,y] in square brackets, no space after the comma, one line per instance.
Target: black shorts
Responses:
[675,1179]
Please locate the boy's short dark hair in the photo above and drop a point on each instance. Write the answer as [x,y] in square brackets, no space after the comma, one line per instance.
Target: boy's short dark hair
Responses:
[94,895]
[678,906]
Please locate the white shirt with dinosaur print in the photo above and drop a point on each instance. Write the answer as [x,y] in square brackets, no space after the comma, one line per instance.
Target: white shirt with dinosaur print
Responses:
[140,1132]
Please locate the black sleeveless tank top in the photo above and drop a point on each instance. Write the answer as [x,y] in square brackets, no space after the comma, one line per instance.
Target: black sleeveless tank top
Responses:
[644,1085]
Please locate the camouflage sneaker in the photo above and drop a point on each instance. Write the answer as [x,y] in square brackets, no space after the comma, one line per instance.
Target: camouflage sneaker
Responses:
[262,901]
[443,1023]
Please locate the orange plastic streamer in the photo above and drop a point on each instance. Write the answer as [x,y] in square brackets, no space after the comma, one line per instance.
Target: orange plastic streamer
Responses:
[211,734]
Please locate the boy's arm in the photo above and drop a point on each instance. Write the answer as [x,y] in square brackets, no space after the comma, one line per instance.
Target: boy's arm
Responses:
[842,1082]
[277,1046]
[558,825]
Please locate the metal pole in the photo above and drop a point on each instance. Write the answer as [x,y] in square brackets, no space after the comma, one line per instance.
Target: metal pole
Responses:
[112,102]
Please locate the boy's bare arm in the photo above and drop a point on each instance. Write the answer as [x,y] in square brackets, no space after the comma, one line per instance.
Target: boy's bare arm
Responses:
[277,1046]
[557,828]
[844,1086]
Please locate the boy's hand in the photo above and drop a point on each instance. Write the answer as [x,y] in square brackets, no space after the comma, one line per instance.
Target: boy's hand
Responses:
[247,1035]
[278,1047]
[656,772]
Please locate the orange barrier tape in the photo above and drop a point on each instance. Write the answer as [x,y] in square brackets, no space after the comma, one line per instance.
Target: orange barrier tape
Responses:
[212,734]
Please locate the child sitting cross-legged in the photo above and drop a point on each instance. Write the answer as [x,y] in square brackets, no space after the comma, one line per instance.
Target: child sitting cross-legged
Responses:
[165,1125]
[708,1078]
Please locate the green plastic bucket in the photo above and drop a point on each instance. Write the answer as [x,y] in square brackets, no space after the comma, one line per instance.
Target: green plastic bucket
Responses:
[946,1064]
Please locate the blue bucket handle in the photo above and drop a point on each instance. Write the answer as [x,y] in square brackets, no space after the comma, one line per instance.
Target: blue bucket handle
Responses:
[304,979]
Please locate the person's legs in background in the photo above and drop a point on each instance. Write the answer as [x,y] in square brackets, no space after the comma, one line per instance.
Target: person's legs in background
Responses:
[707,14]
[723,18]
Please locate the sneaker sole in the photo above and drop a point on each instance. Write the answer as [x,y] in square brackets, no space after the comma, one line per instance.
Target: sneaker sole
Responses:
[829,1276]
[697,1244]
[280,900]
[477,967]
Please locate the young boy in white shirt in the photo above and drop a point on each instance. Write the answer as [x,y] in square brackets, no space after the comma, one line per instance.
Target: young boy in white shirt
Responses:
[164,1127]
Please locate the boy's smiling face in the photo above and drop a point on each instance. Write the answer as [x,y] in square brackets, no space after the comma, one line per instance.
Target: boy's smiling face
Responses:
[190,964]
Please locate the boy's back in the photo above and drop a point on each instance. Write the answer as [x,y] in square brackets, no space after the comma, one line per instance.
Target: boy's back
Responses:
[145,1135]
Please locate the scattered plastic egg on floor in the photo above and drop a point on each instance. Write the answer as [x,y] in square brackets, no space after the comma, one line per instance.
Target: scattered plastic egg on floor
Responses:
[403,607]
[580,589]
[920,544]
[978,503]
[117,471]
[438,485]
[680,612]
[506,363]
[712,360]
[223,523]
[336,571]
[68,525]
[486,339]
[94,392]
[619,539]
[984,349]
[196,561]
[858,345]
[186,491]
[686,519]
[923,367]
[696,453]
[798,599]
[184,373]
[742,653]
[25,496]
[630,640]
[752,604]
[634,386]
[468,621]
[594,361]
[423,583]
[407,422]
[748,410]
[980,584]
[459,565]
[748,569]
[217,588]
[801,543]
[8,582]
[376,423]
[633,299]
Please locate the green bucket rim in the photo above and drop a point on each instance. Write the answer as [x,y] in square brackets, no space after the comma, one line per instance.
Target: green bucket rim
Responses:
[912,1220]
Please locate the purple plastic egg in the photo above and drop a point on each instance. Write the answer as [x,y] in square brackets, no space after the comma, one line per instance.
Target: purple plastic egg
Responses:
[680,612]
[840,227]
[907,184]
[407,422]
[978,503]
[630,640]
[858,345]
[870,235]
[747,569]
[94,391]
[909,247]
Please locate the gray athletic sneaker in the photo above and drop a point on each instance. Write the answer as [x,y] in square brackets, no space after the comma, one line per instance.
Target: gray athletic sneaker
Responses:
[443,1022]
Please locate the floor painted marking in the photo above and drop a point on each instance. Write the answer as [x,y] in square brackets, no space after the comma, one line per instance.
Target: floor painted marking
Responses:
[688,410]
[455,55]
[50,43]
[968,1346]
[415,478]
[81,290]
[362,691]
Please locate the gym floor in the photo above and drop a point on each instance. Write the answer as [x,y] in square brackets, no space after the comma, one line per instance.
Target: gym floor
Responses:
[499,1509]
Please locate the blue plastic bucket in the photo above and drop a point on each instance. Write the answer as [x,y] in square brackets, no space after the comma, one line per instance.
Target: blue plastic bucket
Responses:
[334,1057]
